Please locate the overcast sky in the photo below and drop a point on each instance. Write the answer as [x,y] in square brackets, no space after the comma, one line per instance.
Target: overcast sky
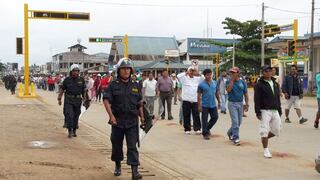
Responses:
[180,18]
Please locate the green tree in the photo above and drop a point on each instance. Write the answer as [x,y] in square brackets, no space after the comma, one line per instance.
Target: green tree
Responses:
[248,46]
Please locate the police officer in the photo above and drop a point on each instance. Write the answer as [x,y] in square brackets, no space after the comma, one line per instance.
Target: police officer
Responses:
[12,83]
[123,102]
[74,90]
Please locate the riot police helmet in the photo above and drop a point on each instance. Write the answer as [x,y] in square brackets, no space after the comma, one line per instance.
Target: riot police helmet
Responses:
[74,67]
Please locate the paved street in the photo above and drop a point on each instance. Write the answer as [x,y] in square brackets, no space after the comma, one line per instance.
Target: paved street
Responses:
[167,153]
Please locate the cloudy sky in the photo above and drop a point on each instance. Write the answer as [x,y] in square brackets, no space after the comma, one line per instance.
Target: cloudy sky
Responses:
[180,18]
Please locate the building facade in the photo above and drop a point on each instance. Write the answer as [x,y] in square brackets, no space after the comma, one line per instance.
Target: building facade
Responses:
[76,55]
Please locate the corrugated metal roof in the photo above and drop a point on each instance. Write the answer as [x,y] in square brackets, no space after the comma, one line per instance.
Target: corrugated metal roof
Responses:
[201,46]
[148,45]
[285,38]
[162,65]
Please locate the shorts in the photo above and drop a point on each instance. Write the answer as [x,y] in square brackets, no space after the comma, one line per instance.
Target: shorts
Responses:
[270,122]
[318,105]
[295,101]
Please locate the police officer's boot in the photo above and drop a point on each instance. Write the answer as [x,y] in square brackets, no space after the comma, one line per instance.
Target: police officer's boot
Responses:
[135,173]
[117,170]
[74,132]
[69,133]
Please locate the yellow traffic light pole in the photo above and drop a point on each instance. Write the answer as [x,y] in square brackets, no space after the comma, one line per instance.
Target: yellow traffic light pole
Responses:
[51,15]
[26,51]
[125,43]
[295,38]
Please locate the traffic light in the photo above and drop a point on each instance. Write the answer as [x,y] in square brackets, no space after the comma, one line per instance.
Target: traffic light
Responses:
[166,61]
[291,48]
[19,46]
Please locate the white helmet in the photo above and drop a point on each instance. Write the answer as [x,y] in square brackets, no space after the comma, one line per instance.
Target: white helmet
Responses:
[74,67]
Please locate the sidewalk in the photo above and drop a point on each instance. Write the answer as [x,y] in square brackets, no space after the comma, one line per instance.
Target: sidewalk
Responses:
[23,121]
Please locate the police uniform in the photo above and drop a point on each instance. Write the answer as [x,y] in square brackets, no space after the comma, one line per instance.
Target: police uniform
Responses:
[73,88]
[125,100]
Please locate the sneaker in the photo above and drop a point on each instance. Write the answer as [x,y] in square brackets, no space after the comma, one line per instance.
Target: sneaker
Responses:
[303,120]
[287,120]
[162,117]
[236,142]
[170,118]
[198,132]
[267,153]
[316,124]
[187,132]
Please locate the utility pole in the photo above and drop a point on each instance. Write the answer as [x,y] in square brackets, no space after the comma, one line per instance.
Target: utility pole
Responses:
[262,35]
[311,75]
[233,52]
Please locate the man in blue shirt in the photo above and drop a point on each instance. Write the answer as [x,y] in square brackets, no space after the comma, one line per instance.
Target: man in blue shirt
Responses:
[237,89]
[207,91]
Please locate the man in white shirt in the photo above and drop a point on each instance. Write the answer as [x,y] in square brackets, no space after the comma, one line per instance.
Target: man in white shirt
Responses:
[190,81]
[149,92]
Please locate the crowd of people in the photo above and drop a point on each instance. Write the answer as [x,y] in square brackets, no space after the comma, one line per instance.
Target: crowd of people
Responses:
[198,93]
[202,96]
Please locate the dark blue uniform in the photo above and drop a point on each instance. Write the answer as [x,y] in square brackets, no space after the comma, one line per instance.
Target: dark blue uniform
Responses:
[73,89]
[125,100]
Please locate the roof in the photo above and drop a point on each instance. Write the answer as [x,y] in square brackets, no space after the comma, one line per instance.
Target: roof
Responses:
[316,34]
[141,45]
[202,46]
[163,65]
[77,46]
[285,38]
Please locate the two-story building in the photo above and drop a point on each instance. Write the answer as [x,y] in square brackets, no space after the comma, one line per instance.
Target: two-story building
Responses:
[77,55]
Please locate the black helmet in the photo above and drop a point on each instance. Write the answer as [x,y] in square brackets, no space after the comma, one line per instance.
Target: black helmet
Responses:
[124,62]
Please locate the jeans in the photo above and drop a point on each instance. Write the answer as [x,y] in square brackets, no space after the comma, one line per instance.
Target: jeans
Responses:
[236,112]
[224,98]
[187,108]
[206,126]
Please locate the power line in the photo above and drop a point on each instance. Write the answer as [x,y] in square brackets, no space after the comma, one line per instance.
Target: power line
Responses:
[299,17]
[289,11]
[163,5]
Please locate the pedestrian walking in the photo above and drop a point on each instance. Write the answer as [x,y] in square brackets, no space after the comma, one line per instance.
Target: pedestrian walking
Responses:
[123,102]
[12,82]
[292,88]
[237,89]
[74,90]
[190,81]
[316,122]
[175,82]
[267,107]
[207,92]
[149,92]
[165,93]
[97,86]
[222,89]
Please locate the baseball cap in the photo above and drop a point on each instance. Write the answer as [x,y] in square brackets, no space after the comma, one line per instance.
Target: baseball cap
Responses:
[266,67]
[235,70]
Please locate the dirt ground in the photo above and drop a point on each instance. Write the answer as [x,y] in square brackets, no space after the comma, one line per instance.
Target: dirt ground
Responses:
[66,159]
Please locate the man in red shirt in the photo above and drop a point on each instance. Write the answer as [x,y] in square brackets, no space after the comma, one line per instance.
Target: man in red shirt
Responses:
[97,87]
